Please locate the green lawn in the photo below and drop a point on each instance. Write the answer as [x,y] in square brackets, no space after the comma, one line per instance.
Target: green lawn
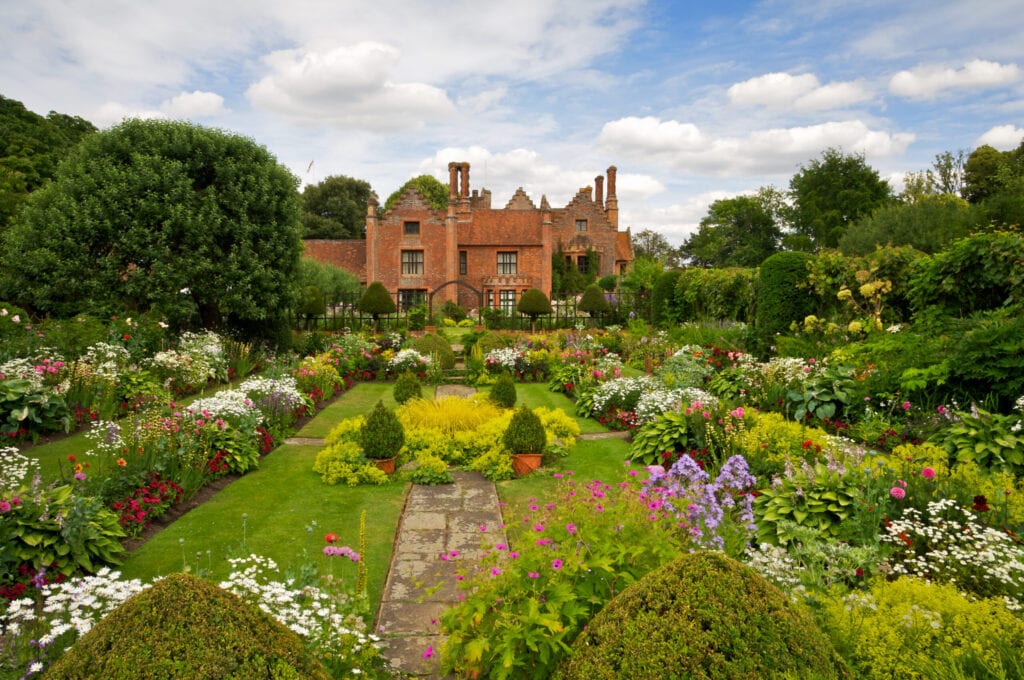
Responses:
[538,394]
[358,401]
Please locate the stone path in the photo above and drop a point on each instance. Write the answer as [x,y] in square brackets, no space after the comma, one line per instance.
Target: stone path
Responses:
[436,520]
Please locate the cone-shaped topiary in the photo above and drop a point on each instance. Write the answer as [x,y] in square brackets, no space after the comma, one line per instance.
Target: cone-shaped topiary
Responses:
[503,392]
[534,303]
[382,435]
[593,300]
[525,432]
[407,387]
[185,627]
[702,616]
[376,301]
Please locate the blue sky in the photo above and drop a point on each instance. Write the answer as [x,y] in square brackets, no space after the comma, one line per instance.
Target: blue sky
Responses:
[691,101]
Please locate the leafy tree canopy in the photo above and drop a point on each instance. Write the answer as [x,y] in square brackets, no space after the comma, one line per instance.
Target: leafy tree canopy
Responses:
[831,193]
[652,245]
[335,208]
[737,232]
[162,216]
[30,148]
[929,224]
[429,187]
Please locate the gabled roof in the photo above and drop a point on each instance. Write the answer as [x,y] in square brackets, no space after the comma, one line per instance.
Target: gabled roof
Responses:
[520,201]
[502,228]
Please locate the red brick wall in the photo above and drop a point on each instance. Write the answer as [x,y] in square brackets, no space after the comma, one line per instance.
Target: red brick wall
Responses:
[350,255]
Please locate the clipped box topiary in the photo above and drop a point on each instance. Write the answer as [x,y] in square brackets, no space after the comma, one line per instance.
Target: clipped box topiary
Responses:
[503,392]
[703,616]
[382,435]
[185,627]
[525,439]
[407,388]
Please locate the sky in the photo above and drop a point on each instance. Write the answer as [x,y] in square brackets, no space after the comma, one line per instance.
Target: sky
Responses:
[692,102]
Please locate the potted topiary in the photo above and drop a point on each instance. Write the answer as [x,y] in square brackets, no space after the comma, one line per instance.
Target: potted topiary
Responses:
[381,437]
[525,439]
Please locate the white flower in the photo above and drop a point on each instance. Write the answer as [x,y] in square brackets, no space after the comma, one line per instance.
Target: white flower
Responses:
[16,319]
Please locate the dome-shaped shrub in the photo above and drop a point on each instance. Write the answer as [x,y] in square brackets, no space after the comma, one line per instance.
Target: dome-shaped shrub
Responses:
[407,387]
[382,434]
[437,347]
[185,627]
[503,392]
[525,432]
[703,616]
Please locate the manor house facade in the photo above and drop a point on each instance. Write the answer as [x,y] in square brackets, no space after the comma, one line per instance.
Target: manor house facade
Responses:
[477,255]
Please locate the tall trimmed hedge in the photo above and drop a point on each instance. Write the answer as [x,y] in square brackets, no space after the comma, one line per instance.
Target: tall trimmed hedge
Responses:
[662,292]
[714,294]
[782,296]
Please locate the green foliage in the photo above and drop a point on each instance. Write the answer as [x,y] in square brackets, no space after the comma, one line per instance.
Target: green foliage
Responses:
[525,433]
[702,616]
[335,208]
[453,310]
[435,193]
[771,442]
[981,173]
[928,224]
[503,392]
[437,347]
[989,358]
[407,387]
[336,283]
[184,626]
[593,300]
[311,303]
[34,409]
[737,232]
[658,441]
[376,301]
[150,208]
[914,629]
[827,394]
[431,469]
[534,303]
[832,193]
[718,294]
[343,463]
[30,149]
[781,295]
[980,272]
[988,439]
[652,246]
[382,435]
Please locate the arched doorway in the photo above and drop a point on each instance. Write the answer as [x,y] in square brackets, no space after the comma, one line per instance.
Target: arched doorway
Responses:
[463,284]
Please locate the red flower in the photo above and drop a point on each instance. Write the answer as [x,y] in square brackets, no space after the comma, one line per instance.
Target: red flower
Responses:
[331,538]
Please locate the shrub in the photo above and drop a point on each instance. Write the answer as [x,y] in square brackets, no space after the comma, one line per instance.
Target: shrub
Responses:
[714,294]
[186,627]
[910,628]
[782,297]
[431,469]
[661,296]
[990,357]
[702,616]
[503,392]
[447,415]
[593,300]
[437,347]
[376,301]
[407,387]
[343,463]
[525,433]
[534,303]
[382,435]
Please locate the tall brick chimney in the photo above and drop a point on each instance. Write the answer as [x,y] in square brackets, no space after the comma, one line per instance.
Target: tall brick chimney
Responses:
[612,204]
[453,180]
[599,191]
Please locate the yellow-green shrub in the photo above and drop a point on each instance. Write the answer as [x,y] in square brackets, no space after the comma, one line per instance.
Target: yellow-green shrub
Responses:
[347,430]
[343,463]
[448,414]
[914,629]
[430,469]
[771,439]
[559,427]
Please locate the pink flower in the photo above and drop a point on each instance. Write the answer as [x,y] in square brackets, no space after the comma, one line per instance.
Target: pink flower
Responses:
[556,564]
[495,571]
[811,361]
[906,406]
[571,528]
[533,574]
[928,473]
[897,492]
[4,507]
[428,652]
[737,413]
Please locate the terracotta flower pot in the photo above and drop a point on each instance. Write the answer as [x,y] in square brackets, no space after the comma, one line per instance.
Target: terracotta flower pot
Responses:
[525,463]
[386,464]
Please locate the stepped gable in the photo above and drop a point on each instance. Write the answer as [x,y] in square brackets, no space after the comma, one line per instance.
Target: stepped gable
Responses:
[520,201]
[412,200]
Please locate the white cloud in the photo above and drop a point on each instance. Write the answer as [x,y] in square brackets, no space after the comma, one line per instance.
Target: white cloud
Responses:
[928,82]
[348,85]
[676,221]
[683,147]
[112,113]
[195,104]
[801,93]
[1002,137]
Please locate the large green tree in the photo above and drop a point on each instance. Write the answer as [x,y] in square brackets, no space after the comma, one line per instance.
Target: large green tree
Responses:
[335,208]
[650,244]
[929,223]
[982,173]
[188,222]
[831,193]
[736,232]
[31,146]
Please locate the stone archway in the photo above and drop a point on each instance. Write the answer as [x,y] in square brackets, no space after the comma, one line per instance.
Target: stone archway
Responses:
[457,282]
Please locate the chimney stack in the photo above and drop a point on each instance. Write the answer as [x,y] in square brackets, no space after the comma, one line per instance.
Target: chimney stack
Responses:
[599,190]
[612,204]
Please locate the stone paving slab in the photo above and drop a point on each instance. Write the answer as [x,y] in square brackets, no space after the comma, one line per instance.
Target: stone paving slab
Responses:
[420,585]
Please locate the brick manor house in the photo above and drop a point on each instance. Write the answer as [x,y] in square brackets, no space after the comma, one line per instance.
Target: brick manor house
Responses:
[477,255]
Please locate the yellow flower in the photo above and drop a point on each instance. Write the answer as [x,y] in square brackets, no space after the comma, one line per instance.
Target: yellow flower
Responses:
[855,327]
